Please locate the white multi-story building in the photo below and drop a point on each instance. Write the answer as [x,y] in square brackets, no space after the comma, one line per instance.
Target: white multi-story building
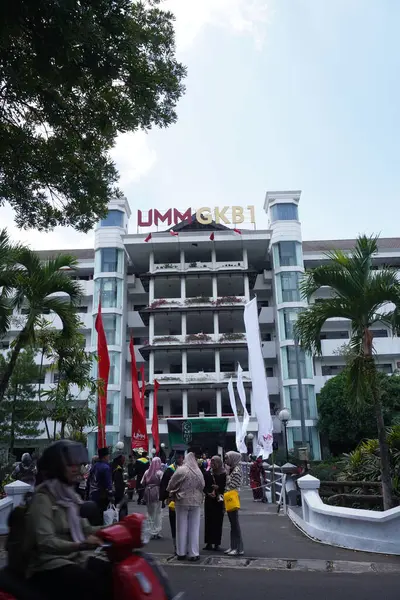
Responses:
[181,298]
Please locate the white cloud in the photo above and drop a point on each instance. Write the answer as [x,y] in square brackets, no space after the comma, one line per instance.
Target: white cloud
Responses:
[242,17]
[133,156]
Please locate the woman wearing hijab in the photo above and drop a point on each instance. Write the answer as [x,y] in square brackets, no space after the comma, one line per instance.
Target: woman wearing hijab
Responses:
[214,490]
[257,479]
[186,490]
[151,482]
[233,482]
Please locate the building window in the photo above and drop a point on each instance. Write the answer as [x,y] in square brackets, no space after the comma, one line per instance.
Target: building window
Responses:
[112,415]
[287,319]
[109,260]
[114,376]
[379,333]
[110,289]
[284,212]
[334,335]
[290,366]
[331,369]
[309,401]
[386,368]
[288,289]
[114,218]
[269,371]
[287,254]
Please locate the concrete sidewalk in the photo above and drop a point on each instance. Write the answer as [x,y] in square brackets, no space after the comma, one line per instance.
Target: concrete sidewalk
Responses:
[268,535]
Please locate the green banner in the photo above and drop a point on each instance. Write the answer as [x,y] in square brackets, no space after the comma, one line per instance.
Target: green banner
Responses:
[207,434]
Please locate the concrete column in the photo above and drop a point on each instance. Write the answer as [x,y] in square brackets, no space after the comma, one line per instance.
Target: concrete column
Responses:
[245,259]
[151,290]
[151,262]
[219,403]
[182,260]
[214,258]
[16,491]
[246,287]
[151,366]
[214,287]
[216,324]
[151,405]
[184,364]
[217,364]
[185,404]
[151,329]
[183,288]
[183,324]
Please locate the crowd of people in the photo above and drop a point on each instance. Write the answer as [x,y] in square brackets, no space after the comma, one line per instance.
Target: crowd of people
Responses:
[183,485]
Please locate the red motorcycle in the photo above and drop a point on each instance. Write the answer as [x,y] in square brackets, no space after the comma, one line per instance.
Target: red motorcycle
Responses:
[136,575]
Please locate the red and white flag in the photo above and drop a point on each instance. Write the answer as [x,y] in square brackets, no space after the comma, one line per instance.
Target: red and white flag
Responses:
[238,231]
[174,233]
[154,422]
[148,238]
[104,371]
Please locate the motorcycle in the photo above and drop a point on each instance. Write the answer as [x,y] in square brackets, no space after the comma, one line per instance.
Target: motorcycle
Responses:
[136,575]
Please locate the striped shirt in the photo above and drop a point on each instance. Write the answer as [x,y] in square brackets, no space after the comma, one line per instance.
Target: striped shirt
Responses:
[234,479]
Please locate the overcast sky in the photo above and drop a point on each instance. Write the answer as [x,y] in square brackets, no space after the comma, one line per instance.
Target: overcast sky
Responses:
[281,94]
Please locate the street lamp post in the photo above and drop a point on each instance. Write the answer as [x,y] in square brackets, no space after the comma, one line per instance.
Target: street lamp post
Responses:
[284,417]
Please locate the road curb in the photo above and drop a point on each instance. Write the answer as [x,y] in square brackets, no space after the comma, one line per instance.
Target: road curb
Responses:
[285,564]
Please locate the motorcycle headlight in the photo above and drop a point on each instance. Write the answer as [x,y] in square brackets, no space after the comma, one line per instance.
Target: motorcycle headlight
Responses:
[145,534]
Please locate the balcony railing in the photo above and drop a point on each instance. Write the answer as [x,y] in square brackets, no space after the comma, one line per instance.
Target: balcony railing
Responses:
[163,303]
[199,338]
[198,265]
[200,377]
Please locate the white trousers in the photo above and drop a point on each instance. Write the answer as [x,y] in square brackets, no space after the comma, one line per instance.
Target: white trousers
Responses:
[155,516]
[187,530]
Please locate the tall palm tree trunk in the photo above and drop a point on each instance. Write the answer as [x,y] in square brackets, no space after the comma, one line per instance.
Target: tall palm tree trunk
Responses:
[11,365]
[387,488]
[40,391]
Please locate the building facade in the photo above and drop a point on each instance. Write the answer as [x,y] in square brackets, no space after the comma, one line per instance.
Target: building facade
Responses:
[181,297]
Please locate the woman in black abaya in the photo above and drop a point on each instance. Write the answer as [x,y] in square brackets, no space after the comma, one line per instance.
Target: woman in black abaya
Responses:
[215,480]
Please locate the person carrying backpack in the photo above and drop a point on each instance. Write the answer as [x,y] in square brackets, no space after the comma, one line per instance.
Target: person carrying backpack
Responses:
[101,484]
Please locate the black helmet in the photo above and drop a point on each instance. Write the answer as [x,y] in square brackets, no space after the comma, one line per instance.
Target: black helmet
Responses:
[59,455]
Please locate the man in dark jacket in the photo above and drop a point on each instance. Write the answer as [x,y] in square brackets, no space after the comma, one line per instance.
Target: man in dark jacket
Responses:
[100,483]
[141,466]
[169,471]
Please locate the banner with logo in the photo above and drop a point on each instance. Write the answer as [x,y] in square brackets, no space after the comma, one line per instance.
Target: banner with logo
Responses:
[202,433]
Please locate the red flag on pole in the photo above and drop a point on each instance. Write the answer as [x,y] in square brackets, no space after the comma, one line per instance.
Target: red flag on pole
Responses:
[148,238]
[174,233]
[104,371]
[154,424]
[143,390]
[238,231]
[139,431]
[212,236]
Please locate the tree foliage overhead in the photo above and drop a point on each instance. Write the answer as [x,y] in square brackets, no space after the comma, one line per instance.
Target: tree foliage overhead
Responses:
[341,422]
[73,75]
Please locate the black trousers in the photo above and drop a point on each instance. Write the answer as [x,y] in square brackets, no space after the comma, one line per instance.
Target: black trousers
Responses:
[236,534]
[172,522]
[73,581]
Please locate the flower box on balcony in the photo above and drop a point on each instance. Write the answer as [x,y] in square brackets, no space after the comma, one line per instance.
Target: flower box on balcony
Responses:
[232,337]
[198,300]
[228,300]
[198,337]
[165,339]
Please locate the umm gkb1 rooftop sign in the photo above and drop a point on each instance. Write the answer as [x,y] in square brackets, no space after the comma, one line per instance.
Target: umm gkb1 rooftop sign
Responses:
[225,215]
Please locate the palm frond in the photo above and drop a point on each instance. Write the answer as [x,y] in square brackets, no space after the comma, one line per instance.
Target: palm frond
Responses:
[310,322]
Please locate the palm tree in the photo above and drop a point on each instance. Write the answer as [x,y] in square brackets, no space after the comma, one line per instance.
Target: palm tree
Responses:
[35,284]
[8,270]
[360,295]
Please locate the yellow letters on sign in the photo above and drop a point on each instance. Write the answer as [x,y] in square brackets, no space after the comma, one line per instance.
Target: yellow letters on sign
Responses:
[237,215]
[220,215]
[204,219]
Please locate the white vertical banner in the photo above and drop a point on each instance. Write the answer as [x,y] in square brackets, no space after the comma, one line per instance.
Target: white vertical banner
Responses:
[246,417]
[234,410]
[259,380]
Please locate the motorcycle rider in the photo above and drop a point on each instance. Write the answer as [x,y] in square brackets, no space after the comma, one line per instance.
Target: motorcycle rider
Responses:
[25,470]
[58,537]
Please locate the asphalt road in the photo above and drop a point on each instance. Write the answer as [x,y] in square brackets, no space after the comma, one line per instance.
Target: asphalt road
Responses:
[230,584]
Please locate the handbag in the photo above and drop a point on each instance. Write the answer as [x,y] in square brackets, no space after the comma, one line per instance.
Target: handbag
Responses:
[231,500]
[110,516]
